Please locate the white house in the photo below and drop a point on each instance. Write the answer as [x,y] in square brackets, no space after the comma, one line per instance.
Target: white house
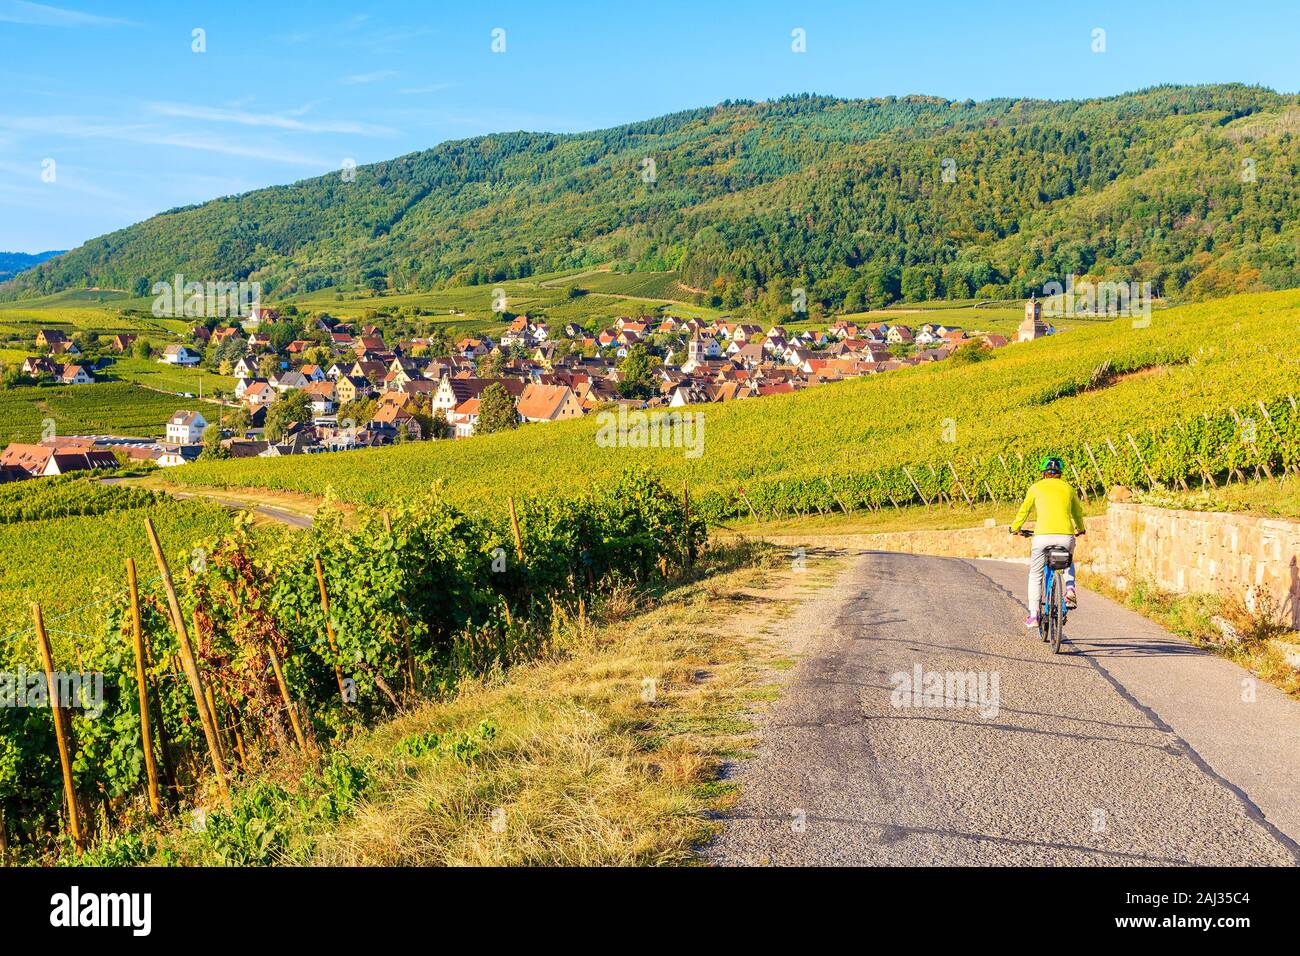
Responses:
[75,375]
[179,355]
[186,428]
[258,394]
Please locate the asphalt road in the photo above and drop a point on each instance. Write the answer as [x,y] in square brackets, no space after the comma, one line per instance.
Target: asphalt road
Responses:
[290,518]
[234,503]
[1130,747]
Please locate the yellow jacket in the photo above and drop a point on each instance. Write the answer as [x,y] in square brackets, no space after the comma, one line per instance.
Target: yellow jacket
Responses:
[1057,508]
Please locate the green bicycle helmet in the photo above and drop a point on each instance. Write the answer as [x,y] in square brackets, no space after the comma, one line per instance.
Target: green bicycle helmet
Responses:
[1053,465]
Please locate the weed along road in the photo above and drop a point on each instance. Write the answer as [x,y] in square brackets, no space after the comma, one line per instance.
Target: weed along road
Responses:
[925,725]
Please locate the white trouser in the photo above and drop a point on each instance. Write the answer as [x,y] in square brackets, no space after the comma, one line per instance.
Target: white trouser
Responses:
[1038,561]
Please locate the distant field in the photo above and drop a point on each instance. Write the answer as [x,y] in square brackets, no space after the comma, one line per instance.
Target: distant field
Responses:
[1093,384]
[72,312]
[544,297]
[993,320]
[651,285]
[107,408]
[170,378]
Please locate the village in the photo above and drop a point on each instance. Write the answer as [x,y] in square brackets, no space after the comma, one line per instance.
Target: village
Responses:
[345,387]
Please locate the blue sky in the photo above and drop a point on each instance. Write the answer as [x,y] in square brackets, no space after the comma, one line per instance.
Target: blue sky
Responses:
[135,122]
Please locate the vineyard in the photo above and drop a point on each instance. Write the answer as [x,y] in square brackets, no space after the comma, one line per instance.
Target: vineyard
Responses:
[262,644]
[469,309]
[117,408]
[1202,393]
[63,496]
[64,540]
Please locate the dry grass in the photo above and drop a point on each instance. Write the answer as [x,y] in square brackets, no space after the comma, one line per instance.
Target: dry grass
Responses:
[606,757]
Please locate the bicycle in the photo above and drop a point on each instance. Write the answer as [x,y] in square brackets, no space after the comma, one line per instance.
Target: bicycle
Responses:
[1052,612]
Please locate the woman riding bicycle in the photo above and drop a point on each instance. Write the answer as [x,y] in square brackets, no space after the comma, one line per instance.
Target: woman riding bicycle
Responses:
[1058,519]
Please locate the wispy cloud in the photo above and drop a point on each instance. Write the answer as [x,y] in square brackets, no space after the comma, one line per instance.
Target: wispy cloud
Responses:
[431,88]
[146,135]
[374,77]
[208,144]
[40,15]
[288,120]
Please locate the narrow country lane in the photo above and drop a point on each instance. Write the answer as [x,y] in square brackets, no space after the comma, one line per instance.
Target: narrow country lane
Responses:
[1130,747]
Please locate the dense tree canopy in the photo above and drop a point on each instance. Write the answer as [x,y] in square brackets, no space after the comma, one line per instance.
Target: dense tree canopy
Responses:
[857,202]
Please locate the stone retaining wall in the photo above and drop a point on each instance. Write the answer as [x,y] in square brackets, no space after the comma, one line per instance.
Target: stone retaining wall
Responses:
[1178,551]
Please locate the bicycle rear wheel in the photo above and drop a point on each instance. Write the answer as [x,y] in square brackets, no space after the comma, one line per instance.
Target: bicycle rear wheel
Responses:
[1056,614]
[1044,605]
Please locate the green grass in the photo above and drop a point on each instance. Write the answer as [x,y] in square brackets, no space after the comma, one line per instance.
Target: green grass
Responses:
[1198,359]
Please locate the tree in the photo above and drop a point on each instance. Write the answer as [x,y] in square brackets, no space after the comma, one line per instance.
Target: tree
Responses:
[228,352]
[439,426]
[238,419]
[213,450]
[971,353]
[358,411]
[638,374]
[142,348]
[496,411]
[268,365]
[294,407]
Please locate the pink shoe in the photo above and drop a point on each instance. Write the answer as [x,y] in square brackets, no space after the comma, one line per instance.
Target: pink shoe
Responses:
[1032,621]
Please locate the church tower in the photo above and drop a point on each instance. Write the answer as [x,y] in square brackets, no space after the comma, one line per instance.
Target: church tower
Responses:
[1033,326]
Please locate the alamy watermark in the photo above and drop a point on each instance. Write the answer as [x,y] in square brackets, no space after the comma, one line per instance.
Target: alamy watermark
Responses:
[1130,299]
[640,429]
[73,690]
[208,300]
[973,690]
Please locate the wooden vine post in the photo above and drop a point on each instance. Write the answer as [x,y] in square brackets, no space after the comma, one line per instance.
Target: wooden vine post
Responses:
[514,526]
[916,487]
[329,628]
[146,732]
[745,498]
[1097,468]
[831,485]
[960,485]
[1151,482]
[406,636]
[288,701]
[61,732]
[686,509]
[1078,483]
[190,664]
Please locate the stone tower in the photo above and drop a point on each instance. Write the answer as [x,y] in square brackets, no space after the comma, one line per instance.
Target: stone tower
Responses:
[1033,327]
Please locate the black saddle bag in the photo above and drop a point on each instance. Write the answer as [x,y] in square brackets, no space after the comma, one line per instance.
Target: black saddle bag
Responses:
[1058,558]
